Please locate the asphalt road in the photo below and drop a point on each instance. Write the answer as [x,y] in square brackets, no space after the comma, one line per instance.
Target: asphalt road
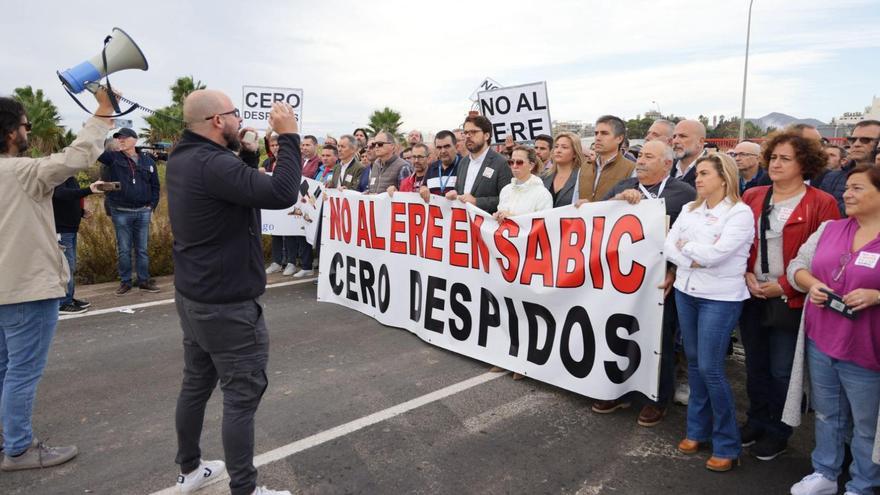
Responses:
[112,381]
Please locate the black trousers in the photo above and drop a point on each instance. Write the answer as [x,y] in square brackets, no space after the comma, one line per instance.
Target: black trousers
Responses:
[228,343]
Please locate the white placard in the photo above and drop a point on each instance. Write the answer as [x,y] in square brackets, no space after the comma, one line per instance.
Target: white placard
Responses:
[256,103]
[519,111]
[299,219]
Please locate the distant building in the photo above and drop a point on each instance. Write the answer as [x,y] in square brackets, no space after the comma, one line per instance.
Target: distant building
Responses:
[852,118]
[577,127]
[653,115]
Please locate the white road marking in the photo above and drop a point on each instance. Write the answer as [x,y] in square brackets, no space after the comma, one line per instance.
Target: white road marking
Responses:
[160,302]
[360,423]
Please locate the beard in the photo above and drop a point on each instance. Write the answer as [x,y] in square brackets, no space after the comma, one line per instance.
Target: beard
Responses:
[232,142]
[21,142]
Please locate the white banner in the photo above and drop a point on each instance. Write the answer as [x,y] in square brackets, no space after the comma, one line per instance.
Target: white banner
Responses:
[567,296]
[519,111]
[486,85]
[256,103]
[299,219]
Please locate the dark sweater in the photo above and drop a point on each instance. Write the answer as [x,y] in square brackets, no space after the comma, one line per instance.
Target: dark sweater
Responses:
[213,200]
[67,205]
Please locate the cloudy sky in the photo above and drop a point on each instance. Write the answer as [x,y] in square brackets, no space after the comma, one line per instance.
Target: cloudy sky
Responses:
[809,58]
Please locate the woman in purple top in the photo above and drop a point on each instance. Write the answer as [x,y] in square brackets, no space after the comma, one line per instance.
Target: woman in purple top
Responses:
[843,355]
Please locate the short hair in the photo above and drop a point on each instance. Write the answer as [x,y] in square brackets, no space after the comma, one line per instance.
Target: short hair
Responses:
[445,134]
[840,149]
[544,137]
[667,123]
[725,166]
[618,126]
[482,122]
[421,145]
[11,112]
[408,148]
[312,138]
[868,122]
[872,171]
[808,153]
[348,137]
[332,148]
[387,135]
[532,156]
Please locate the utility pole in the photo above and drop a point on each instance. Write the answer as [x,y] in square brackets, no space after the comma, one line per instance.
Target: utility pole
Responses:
[742,113]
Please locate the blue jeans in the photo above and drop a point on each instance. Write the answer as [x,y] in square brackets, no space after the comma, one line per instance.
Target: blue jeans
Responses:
[26,330]
[705,330]
[304,250]
[769,356]
[132,232]
[846,398]
[68,242]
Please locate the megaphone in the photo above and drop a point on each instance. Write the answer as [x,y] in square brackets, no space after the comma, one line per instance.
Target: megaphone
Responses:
[120,52]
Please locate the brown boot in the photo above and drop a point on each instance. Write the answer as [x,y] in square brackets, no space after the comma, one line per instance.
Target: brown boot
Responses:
[651,415]
[720,465]
[609,406]
[688,446]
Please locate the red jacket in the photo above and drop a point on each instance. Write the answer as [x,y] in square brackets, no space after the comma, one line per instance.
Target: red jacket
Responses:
[814,208]
[310,167]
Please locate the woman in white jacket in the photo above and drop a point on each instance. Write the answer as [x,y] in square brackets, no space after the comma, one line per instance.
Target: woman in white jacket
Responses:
[709,243]
[526,192]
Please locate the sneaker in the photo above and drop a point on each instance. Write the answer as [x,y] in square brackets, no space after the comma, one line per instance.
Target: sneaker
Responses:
[609,406]
[123,289]
[290,269]
[304,273]
[682,393]
[208,472]
[149,286]
[814,484]
[651,415]
[769,448]
[71,309]
[750,434]
[39,455]
[262,490]
[82,304]
[273,268]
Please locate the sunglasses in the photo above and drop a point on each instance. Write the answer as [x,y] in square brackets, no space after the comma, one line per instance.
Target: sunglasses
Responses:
[863,140]
[27,126]
[517,162]
[377,144]
[234,111]
[734,154]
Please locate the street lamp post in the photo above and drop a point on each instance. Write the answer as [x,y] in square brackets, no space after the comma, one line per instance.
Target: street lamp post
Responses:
[742,113]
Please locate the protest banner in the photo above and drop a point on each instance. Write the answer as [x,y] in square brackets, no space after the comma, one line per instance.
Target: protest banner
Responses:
[486,85]
[519,111]
[299,219]
[256,103]
[566,296]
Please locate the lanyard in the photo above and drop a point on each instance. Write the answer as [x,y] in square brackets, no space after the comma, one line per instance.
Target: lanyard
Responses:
[649,195]
[131,167]
[443,181]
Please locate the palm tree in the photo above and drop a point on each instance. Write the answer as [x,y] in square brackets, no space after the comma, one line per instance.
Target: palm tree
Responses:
[46,134]
[385,120]
[183,87]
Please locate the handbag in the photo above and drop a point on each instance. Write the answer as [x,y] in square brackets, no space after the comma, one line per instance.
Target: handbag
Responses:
[775,313]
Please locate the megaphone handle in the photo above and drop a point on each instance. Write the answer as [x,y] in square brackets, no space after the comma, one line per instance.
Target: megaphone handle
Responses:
[110,93]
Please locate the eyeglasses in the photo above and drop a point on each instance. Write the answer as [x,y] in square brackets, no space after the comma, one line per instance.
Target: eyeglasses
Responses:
[377,144]
[844,260]
[234,111]
[862,139]
[735,154]
[472,132]
[27,126]
[418,157]
[517,162]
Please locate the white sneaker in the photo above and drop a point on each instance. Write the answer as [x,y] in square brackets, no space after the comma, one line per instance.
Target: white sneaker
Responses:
[814,484]
[208,472]
[290,269]
[273,268]
[682,393]
[304,274]
[262,490]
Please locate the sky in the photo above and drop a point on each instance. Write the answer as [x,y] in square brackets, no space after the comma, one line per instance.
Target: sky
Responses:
[810,58]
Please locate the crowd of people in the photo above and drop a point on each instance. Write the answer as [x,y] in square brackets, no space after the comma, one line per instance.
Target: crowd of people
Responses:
[778,238]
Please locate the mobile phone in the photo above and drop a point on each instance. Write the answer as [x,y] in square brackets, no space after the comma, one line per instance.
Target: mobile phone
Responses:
[109,186]
[835,303]
[250,137]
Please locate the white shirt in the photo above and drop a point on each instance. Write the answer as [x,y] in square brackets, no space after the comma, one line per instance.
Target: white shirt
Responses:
[473,170]
[718,239]
[518,198]
[679,175]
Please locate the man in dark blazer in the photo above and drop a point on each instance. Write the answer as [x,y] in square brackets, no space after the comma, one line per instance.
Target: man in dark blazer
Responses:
[483,173]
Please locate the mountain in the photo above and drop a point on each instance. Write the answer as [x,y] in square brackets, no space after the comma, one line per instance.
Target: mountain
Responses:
[781,120]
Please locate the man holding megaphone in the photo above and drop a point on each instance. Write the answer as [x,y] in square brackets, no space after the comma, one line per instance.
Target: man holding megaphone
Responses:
[214,199]
[35,272]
